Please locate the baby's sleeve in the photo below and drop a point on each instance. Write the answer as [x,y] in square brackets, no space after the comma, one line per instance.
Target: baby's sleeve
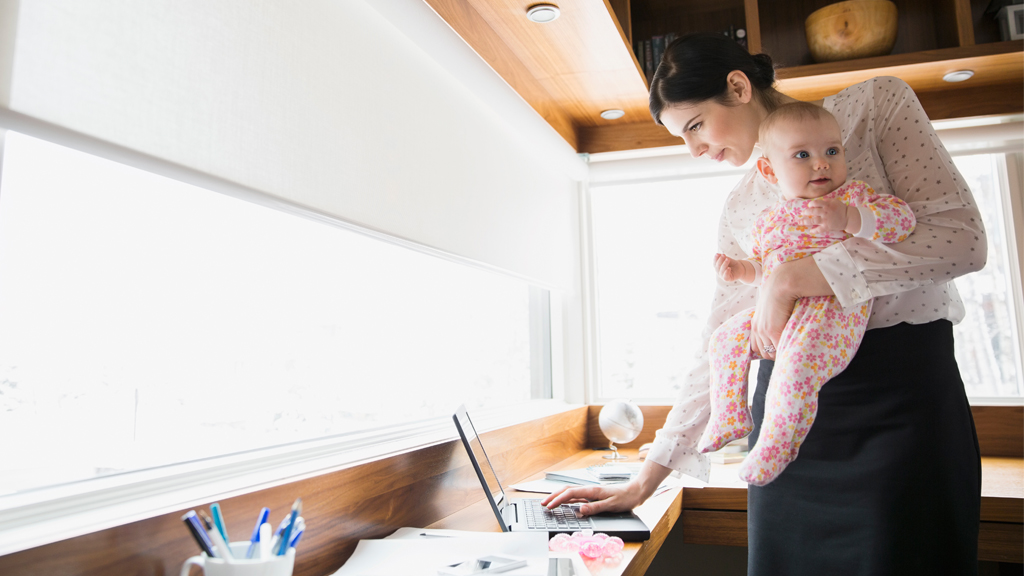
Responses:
[884,217]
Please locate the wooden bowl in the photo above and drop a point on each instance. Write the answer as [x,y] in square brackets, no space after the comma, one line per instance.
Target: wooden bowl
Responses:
[852,29]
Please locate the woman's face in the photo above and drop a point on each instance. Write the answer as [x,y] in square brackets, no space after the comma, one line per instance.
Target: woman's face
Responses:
[719,131]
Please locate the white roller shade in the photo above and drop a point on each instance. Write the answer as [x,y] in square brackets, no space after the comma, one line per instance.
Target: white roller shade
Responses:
[323,103]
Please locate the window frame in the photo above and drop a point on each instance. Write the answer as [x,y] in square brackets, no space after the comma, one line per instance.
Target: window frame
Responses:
[48,514]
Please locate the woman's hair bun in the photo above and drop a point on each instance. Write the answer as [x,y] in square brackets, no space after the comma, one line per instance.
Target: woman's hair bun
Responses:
[765,76]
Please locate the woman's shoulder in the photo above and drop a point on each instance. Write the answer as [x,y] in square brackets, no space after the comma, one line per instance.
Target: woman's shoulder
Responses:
[871,92]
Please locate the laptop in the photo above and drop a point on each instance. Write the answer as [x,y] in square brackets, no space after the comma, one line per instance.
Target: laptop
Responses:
[527,514]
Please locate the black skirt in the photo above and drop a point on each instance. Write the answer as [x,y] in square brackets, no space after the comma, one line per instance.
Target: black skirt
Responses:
[888,480]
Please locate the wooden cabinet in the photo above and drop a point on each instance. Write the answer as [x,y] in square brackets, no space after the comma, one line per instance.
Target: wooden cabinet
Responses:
[583,63]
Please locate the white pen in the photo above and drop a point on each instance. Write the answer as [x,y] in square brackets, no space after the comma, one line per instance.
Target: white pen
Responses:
[265,541]
[223,550]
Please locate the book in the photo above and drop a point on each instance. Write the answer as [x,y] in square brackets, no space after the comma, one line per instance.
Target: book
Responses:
[595,475]
[657,49]
[648,61]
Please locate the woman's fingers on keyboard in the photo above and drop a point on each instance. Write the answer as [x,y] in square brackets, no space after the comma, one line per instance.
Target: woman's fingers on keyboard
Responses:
[567,495]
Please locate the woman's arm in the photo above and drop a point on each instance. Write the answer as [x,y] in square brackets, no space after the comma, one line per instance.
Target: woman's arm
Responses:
[949,240]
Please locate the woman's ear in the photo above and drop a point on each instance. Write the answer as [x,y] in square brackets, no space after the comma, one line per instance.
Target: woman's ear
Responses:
[738,87]
[764,166]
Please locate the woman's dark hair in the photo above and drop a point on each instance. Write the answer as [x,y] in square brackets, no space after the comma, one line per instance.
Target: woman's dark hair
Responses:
[694,69]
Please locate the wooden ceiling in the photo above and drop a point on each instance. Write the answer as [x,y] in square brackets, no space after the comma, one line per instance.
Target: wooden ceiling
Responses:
[572,69]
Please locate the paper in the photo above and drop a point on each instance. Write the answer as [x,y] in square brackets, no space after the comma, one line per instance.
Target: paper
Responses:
[420,552]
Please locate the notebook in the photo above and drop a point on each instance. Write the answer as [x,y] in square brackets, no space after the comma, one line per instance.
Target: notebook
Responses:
[520,514]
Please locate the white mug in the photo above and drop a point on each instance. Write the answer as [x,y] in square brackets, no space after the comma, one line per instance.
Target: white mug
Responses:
[273,566]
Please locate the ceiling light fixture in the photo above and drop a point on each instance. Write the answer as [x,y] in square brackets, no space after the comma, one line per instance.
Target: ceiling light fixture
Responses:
[613,114]
[958,75]
[542,13]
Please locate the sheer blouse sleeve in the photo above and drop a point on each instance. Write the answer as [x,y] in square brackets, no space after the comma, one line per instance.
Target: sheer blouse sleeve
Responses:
[949,240]
[675,445]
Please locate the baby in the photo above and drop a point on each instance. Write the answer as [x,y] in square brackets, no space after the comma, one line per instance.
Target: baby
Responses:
[803,154]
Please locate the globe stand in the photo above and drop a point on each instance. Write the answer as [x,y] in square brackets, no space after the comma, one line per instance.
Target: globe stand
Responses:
[615,453]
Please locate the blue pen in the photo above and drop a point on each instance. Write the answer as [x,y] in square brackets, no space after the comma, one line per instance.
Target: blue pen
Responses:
[218,521]
[192,522]
[296,539]
[264,514]
[286,537]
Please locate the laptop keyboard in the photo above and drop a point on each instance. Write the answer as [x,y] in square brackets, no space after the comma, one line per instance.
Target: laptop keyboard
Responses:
[564,517]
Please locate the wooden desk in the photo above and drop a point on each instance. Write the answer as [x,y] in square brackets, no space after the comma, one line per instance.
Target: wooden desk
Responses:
[435,486]
[718,514]
[660,513]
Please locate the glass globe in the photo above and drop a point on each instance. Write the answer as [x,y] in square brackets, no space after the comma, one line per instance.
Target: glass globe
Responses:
[621,421]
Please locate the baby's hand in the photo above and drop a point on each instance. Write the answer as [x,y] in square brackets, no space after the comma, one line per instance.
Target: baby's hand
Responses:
[728,269]
[827,215]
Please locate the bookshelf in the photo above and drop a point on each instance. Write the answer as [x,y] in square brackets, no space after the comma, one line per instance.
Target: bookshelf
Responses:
[583,63]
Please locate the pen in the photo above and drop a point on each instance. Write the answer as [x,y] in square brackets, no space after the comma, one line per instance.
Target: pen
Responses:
[192,522]
[295,540]
[264,514]
[265,541]
[300,526]
[218,521]
[280,528]
[222,547]
[286,537]
[206,519]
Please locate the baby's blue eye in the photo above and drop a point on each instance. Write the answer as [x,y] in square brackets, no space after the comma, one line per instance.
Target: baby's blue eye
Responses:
[832,151]
[802,154]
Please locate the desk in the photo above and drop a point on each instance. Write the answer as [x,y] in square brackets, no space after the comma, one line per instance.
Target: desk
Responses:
[717,514]
[436,486]
[660,513]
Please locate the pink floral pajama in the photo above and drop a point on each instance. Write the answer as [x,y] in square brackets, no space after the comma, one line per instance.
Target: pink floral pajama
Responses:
[817,343]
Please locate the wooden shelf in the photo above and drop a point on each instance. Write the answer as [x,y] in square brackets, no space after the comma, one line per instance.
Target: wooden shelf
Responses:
[572,69]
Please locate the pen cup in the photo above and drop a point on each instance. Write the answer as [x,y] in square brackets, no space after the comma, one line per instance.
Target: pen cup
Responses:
[273,566]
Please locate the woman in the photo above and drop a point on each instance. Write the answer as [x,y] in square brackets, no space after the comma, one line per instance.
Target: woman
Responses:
[888,480]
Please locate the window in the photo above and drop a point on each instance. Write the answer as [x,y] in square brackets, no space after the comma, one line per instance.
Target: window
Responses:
[654,280]
[987,342]
[653,240]
[145,322]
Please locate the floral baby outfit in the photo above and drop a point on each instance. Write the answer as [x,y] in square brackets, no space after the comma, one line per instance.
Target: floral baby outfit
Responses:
[817,343]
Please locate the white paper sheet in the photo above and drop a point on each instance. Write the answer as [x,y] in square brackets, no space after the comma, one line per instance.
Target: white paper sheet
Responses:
[413,554]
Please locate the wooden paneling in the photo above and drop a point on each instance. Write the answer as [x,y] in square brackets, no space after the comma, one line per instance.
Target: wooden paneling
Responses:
[993,64]
[365,501]
[717,528]
[645,134]
[1000,430]
[468,23]
[1001,542]
[573,68]
[997,542]
[569,70]
[754,45]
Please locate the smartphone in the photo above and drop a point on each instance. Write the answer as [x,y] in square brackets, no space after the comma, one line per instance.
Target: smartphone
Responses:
[492,564]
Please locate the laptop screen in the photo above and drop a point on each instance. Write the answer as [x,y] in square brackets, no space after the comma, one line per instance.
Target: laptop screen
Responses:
[480,461]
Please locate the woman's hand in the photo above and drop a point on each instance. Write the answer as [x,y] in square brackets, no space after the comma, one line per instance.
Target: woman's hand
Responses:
[616,497]
[613,498]
[789,282]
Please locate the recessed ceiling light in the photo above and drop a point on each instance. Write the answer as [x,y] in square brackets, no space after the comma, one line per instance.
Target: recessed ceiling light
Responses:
[542,13]
[613,114]
[958,75]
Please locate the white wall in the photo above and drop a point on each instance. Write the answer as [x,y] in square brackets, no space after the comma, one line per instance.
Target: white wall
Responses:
[325,103]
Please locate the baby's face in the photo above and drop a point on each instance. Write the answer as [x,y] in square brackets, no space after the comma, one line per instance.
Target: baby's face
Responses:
[807,157]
